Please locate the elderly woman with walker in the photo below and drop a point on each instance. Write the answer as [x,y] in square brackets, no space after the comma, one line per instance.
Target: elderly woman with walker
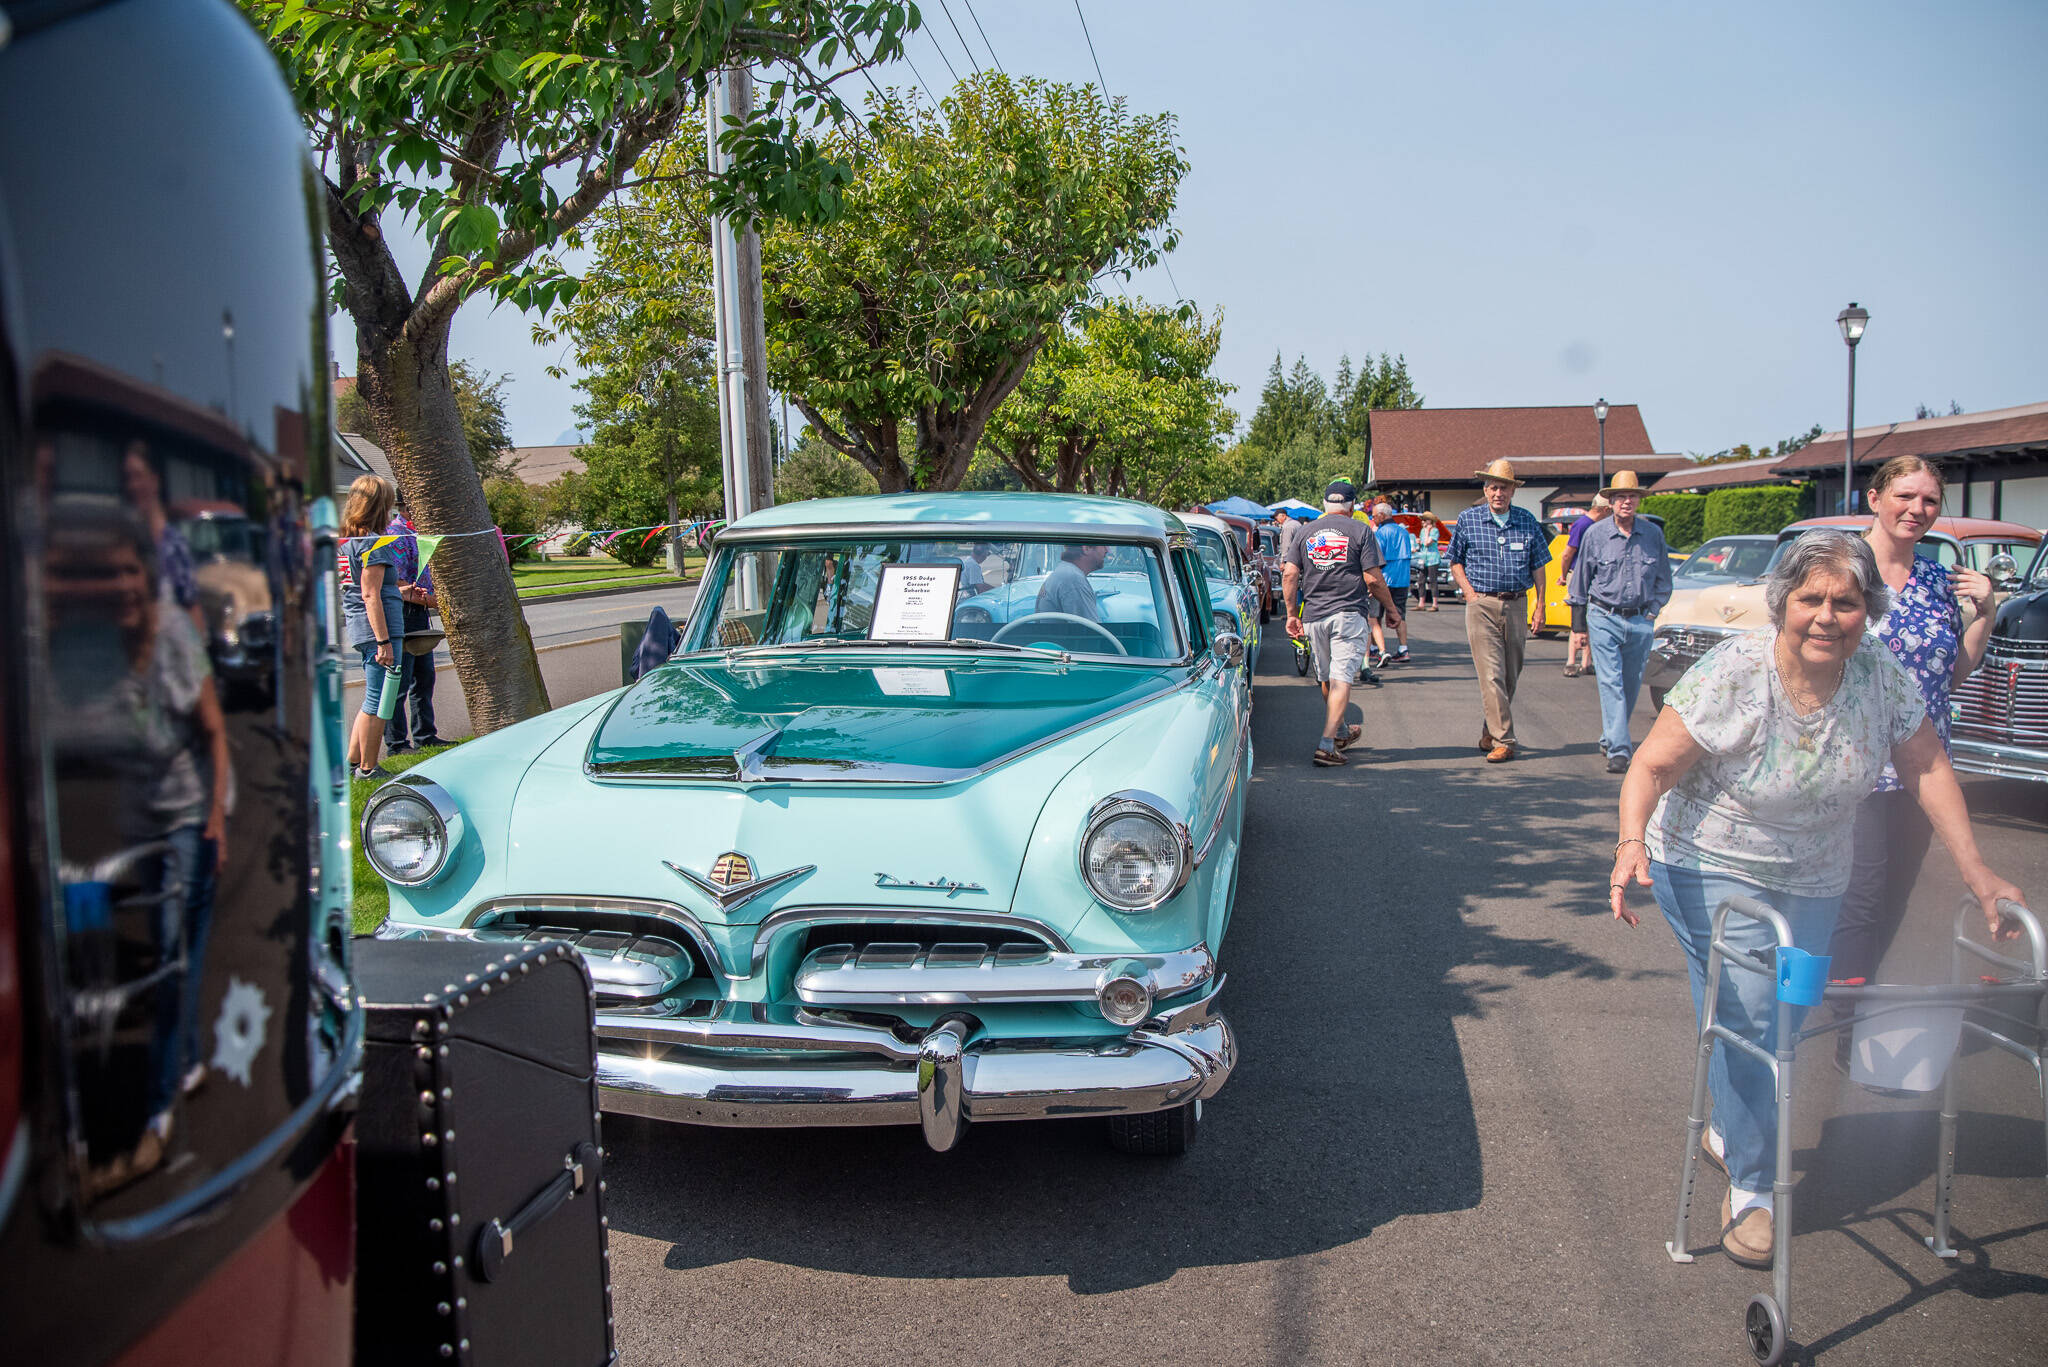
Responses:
[1748,786]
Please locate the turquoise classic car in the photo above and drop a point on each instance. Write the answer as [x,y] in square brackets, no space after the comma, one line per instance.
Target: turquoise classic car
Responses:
[1233,582]
[932,818]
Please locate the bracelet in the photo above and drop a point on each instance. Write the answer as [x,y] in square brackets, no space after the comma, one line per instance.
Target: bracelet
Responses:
[1631,840]
[387,641]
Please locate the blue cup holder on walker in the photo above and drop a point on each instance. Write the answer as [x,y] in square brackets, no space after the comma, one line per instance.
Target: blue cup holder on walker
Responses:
[1802,977]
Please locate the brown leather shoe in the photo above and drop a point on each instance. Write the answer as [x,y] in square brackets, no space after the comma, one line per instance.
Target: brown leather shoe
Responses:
[1350,736]
[1747,1240]
[1500,754]
[1485,740]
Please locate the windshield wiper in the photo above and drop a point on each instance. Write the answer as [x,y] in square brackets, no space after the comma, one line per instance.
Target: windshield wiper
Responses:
[844,642]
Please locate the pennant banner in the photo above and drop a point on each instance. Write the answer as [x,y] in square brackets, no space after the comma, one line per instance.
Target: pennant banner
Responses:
[428,545]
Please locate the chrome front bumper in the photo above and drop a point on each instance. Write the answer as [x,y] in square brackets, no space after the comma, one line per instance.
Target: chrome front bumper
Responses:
[1998,761]
[754,1065]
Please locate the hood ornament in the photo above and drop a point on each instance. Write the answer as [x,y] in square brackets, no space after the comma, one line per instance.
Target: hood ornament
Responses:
[732,882]
[1729,612]
[941,884]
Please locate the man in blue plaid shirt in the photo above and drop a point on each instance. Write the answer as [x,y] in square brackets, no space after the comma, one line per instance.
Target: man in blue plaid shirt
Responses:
[1497,555]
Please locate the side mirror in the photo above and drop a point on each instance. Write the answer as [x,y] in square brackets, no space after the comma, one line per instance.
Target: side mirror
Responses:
[2003,571]
[1228,648]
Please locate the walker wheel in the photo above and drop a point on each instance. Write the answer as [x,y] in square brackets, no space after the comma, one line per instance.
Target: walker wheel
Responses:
[1764,1323]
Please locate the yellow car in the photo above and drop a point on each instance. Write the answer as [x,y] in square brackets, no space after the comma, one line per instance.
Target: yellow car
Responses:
[1557,614]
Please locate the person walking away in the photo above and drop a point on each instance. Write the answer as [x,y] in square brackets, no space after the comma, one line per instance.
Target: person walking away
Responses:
[1331,574]
[1925,632]
[1578,652]
[397,736]
[1748,785]
[1397,555]
[1497,555]
[370,608]
[1623,575]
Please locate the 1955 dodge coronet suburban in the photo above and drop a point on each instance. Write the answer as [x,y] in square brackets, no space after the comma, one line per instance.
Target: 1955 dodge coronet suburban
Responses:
[933,817]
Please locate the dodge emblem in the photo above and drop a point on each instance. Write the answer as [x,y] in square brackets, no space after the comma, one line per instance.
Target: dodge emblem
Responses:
[732,882]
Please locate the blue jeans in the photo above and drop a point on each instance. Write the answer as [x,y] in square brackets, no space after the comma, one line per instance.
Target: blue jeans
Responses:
[1745,1100]
[1621,647]
[375,676]
[187,916]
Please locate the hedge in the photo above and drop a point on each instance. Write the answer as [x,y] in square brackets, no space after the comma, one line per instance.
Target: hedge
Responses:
[1685,518]
[1733,512]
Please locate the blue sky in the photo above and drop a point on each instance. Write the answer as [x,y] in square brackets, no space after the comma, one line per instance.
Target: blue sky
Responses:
[1663,204]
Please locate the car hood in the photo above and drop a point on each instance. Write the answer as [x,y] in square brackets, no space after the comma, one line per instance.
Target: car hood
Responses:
[783,720]
[1725,607]
[955,846]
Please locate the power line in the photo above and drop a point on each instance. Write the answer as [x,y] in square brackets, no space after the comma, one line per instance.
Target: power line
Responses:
[984,35]
[943,57]
[1091,50]
[962,37]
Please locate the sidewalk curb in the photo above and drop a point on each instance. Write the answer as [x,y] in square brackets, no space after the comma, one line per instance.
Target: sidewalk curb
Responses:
[642,587]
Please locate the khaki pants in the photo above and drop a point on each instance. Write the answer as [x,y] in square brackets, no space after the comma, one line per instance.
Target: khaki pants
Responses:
[1497,630]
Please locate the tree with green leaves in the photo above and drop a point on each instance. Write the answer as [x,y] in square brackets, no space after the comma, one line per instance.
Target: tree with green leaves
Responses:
[815,470]
[498,129]
[970,232]
[1122,403]
[479,398]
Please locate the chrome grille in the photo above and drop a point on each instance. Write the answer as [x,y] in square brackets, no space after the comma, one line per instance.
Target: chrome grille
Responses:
[1690,642]
[2006,700]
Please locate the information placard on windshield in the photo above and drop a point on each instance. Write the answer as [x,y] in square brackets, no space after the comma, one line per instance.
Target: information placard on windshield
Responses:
[915,603]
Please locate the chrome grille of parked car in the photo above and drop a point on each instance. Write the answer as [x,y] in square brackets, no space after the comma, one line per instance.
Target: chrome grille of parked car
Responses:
[2006,700]
[1691,642]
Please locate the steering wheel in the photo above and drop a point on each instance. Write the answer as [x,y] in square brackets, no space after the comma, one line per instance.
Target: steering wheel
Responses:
[1016,628]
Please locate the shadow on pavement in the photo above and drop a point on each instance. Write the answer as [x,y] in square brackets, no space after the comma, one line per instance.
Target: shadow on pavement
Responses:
[1350,1107]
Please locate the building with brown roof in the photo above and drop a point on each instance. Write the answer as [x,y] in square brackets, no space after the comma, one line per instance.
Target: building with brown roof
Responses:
[544,464]
[1430,457]
[1996,461]
[1725,474]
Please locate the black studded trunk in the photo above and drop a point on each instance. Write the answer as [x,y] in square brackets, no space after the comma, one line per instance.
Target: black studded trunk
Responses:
[480,1229]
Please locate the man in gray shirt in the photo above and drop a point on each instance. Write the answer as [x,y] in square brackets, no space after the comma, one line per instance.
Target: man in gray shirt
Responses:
[1067,588]
[1334,565]
[1623,575]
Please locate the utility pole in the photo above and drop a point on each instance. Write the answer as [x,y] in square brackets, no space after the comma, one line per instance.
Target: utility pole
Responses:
[740,326]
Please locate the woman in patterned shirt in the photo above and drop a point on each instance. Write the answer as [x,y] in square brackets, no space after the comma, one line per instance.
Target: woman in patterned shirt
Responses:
[1925,632]
[1748,785]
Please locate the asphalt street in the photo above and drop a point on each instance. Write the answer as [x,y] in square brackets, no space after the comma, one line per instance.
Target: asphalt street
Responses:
[1454,1135]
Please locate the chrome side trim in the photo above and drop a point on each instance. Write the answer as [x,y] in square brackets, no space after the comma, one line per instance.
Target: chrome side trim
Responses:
[499,908]
[1998,761]
[1244,733]
[779,923]
[884,975]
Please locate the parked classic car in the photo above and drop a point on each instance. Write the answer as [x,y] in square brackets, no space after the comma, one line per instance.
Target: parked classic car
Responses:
[1233,590]
[1557,611]
[229,563]
[2001,712]
[1267,563]
[1255,571]
[1693,624]
[871,850]
[1724,560]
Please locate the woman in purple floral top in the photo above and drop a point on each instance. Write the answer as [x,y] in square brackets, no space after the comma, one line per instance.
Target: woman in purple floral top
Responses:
[1924,629]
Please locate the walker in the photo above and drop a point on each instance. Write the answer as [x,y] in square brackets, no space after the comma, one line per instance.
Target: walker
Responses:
[1767,1316]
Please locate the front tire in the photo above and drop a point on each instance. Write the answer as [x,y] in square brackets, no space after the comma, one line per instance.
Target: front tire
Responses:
[1157,1134]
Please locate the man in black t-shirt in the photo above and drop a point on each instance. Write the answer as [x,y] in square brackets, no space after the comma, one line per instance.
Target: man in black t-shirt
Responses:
[1334,567]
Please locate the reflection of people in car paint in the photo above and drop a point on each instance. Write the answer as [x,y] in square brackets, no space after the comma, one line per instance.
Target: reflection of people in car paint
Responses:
[176,575]
[137,716]
[1067,588]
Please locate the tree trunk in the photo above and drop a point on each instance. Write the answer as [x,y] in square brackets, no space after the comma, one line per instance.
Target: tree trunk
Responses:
[404,379]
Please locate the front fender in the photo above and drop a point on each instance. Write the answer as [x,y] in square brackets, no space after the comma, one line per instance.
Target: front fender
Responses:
[1187,748]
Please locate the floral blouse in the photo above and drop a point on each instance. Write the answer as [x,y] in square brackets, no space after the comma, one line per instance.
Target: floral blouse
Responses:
[1773,800]
[1924,630]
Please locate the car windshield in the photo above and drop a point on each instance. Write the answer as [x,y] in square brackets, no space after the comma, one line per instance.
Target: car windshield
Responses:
[2038,579]
[1728,558]
[224,538]
[1269,541]
[1085,598]
[1215,555]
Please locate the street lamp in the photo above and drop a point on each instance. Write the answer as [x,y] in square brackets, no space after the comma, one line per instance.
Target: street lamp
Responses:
[1600,416]
[1853,320]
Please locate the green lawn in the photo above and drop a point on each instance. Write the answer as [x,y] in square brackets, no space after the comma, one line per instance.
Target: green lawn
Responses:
[372,900]
[537,574]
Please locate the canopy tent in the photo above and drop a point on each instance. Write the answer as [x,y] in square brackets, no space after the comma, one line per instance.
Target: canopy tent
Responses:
[1241,507]
[1296,508]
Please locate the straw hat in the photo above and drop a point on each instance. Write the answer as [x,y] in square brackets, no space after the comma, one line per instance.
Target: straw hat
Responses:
[1502,470]
[1625,482]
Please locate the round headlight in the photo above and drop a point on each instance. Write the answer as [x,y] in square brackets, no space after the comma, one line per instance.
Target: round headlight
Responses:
[1221,622]
[1134,855]
[407,835]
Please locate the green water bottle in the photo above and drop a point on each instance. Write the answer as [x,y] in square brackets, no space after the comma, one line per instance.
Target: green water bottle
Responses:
[387,701]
